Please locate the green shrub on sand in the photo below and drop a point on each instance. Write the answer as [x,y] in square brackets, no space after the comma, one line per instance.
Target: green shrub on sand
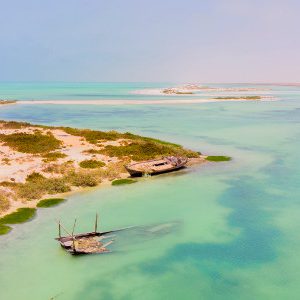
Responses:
[53,156]
[93,136]
[31,142]
[91,164]
[34,176]
[123,181]
[13,124]
[35,189]
[56,186]
[4,202]
[20,216]
[147,149]
[218,158]
[50,202]
[84,179]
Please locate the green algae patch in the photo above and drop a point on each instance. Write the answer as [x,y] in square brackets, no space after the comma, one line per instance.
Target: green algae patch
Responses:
[50,202]
[123,181]
[218,158]
[4,229]
[91,164]
[20,216]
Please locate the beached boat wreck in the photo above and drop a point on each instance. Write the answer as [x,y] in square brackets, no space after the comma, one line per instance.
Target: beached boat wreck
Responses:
[156,166]
[85,243]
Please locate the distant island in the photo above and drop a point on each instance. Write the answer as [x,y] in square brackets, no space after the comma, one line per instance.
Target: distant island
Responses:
[3,102]
[239,98]
[197,89]
[41,162]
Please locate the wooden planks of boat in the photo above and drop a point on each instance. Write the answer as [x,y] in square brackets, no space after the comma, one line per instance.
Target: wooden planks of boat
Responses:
[85,243]
[156,166]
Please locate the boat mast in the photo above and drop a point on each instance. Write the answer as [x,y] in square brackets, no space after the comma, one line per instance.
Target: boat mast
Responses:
[74,227]
[70,235]
[96,223]
[59,229]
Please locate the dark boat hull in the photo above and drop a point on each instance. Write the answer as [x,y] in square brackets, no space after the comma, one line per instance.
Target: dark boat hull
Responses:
[83,235]
[66,242]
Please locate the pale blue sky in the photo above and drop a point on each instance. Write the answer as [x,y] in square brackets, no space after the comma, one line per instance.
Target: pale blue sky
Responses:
[157,40]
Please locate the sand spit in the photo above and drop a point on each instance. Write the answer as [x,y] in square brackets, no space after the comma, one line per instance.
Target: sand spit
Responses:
[138,102]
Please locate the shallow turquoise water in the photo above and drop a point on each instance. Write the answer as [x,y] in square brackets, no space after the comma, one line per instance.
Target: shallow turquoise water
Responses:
[219,231]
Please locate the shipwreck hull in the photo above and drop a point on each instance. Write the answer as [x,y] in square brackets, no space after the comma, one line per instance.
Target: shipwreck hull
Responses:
[134,173]
[156,166]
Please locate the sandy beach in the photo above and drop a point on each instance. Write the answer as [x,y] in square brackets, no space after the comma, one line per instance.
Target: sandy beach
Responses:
[16,166]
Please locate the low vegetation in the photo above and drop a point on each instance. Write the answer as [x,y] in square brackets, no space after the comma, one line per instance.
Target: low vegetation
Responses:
[218,158]
[14,124]
[31,142]
[83,179]
[123,181]
[147,149]
[63,168]
[50,202]
[4,202]
[91,164]
[93,151]
[93,136]
[53,156]
[35,176]
[238,98]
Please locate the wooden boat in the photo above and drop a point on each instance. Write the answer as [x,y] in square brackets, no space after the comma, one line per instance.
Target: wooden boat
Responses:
[85,243]
[156,166]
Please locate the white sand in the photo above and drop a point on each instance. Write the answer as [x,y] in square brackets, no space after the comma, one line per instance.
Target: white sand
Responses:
[20,165]
[135,102]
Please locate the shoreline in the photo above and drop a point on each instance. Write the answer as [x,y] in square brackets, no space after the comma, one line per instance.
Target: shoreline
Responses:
[104,184]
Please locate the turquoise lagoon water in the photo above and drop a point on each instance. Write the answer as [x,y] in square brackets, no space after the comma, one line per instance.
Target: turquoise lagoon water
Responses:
[217,231]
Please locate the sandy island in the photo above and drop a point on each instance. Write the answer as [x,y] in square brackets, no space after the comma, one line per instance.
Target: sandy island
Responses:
[38,162]
[192,89]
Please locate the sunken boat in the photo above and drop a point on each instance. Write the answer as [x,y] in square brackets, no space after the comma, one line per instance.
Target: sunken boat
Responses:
[156,166]
[85,243]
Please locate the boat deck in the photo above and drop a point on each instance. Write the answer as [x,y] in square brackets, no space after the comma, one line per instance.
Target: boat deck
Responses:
[156,166]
